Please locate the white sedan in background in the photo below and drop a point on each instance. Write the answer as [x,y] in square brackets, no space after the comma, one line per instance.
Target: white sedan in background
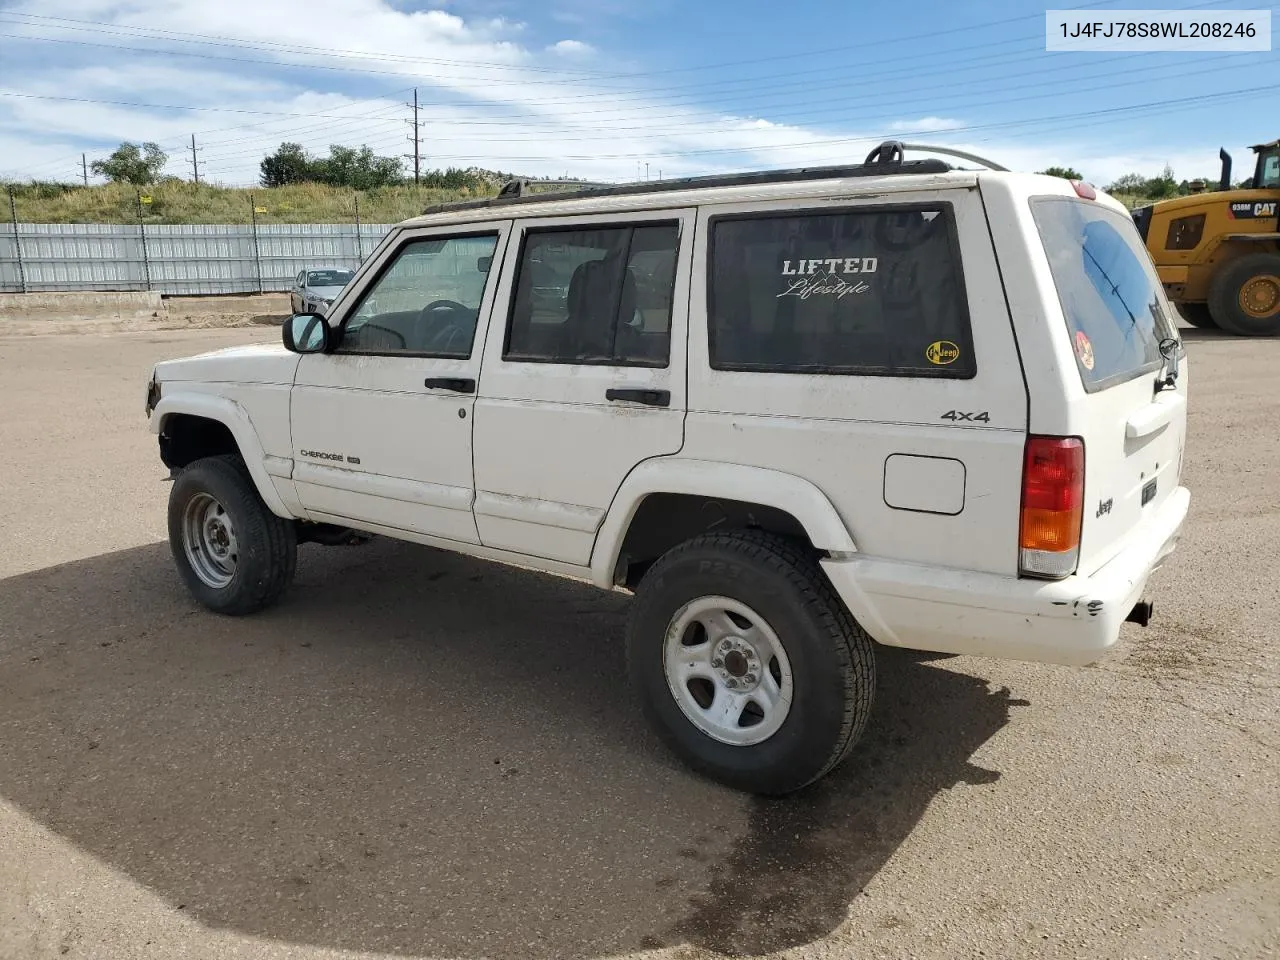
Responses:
[314,290]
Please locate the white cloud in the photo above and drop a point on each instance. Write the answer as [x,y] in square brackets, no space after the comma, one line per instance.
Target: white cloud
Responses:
[487,99]
[571,48]
[925,125]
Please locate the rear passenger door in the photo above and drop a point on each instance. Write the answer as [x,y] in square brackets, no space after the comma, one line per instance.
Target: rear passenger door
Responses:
[866,346]
[583,375]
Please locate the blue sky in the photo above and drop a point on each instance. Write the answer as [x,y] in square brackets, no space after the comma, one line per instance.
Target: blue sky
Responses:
[599,88]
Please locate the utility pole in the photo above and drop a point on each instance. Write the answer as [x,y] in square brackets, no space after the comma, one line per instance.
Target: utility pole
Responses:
[84,168]
[416,138]
[195,163]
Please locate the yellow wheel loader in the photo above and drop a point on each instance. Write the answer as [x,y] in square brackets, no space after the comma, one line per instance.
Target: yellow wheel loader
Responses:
[1218,253]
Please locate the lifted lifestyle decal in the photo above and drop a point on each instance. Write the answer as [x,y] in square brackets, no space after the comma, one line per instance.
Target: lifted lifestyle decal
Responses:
[830,277]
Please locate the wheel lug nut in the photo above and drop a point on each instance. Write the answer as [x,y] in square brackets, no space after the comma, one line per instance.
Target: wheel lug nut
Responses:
[717,662]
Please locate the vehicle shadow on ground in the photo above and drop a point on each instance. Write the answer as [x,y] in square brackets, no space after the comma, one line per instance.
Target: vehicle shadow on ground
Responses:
[419,753]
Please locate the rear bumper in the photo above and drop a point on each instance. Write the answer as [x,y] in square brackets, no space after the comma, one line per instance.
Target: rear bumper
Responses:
[1072,621]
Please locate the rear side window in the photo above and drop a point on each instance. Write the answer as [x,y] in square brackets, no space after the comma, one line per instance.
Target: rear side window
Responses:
[600,295]
[877,292]
[1109,290]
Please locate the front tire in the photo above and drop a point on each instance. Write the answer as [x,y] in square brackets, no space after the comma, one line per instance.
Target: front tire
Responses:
[747,663]
[1245,296]
[234,555]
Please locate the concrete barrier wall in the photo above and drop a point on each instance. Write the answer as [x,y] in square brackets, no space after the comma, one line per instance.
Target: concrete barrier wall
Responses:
[80,306]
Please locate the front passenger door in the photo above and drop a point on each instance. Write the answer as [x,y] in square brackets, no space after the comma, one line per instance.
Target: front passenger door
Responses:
[382,424]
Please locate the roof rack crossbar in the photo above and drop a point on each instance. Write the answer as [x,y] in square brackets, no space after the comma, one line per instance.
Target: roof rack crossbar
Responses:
[886,159]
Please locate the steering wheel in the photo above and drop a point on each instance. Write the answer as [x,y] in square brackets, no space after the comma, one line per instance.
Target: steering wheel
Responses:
[453,305]
[458,327]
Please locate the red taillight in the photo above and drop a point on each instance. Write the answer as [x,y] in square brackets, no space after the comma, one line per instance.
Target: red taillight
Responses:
[1084,190]
[1052,506]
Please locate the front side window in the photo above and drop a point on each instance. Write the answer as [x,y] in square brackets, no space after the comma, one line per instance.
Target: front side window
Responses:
[426,302]
[1108,288]
[596,295]
[874,292]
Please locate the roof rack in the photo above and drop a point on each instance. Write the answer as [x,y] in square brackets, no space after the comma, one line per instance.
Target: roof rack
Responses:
[886,159]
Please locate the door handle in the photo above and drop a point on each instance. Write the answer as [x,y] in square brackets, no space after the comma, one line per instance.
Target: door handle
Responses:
[652,398]
[456,384]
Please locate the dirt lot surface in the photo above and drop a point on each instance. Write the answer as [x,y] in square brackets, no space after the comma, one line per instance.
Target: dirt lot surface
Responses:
[420,755]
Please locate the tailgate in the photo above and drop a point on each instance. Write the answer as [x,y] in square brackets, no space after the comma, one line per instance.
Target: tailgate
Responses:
[1116,318]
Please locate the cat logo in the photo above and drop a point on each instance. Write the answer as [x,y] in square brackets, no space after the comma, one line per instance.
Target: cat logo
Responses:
[1251,210]
[942,352]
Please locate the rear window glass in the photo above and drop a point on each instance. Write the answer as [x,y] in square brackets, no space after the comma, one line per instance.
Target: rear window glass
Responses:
[876,292]
[1109,290]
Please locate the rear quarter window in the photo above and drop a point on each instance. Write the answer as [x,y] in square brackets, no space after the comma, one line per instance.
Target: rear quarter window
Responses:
[1110,294]
[872,291]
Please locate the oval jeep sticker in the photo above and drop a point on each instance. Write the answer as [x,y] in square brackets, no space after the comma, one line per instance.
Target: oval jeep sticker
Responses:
[942,352]
[1084,349]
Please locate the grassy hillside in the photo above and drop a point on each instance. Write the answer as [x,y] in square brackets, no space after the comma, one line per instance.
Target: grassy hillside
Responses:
[183,202]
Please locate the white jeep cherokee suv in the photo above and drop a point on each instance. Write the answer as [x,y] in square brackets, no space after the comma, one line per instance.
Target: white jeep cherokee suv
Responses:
[799,414]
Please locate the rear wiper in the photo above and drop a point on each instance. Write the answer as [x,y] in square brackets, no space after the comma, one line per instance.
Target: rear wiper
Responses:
[1171,351]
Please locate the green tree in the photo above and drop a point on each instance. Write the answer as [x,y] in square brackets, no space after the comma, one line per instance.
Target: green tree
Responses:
[132,164]
[1129,183]
[358,169]
[289,164]
[1158,188]
[1067,173]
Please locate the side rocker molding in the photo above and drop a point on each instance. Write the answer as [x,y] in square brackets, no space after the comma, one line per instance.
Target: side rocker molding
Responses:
[795,495]
[232,416]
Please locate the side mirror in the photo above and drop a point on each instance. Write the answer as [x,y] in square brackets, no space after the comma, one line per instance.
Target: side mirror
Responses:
[484,263]
[306,333]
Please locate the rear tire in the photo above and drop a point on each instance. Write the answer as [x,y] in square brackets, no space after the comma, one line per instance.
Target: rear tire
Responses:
[1198,315]
[234,555]
[716,614]
[1244,297]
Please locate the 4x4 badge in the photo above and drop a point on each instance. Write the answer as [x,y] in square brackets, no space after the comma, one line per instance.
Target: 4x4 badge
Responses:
[942,352]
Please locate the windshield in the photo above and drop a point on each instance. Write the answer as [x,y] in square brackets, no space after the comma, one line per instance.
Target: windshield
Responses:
[1110,294]
[328,278]
[1269,170]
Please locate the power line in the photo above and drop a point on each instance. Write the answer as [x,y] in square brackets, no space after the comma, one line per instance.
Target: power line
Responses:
[896,134]
[612,94]
[704,129]
[961,92]
[217,40]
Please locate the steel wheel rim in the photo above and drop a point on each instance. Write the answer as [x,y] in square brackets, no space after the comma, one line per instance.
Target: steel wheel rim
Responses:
[1260,297]
[209,540]
[728,671]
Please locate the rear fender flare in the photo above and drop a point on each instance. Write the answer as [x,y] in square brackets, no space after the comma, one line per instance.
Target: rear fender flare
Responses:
[785,491]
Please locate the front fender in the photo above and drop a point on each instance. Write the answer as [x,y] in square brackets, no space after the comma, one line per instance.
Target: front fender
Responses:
[233,416]
[728,481]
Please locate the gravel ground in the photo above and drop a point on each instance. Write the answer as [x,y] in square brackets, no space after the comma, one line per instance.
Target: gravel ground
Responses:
[421,755]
